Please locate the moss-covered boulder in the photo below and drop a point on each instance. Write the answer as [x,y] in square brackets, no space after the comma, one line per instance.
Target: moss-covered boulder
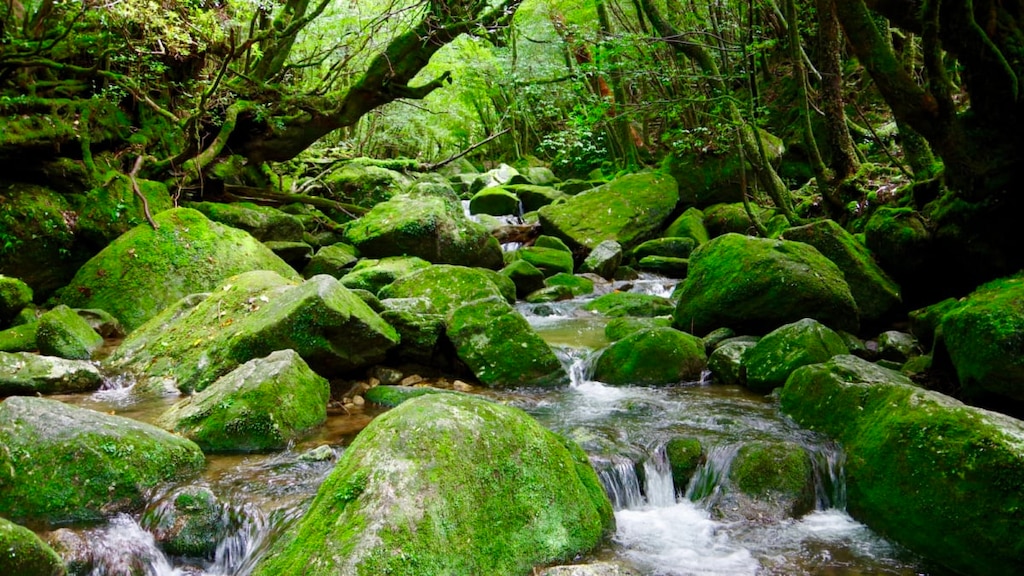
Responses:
[896,346]
[689,224]
[708,178]
[550,261]
[333,260]
[603,260]
[30,374]
[15,295]
[421,329]
[263,222]
[665,266]
[984,336]
[769,362]
[22,553]
[62,464]
[726,361]
[21,338]
[479,488]
[431,227]
[191,344]
[262,405]
[363,183]
[447,287]
[494,201]
[900,238]
[875,293]
[629,210]
[671,247]
[500,346]
[651,357]
[550,294]
[925,321]
[65,334]
[146,269]
[392,396]
[189,521]
[732,219]
[527,277]
[372,274]
[755,285]
[535,197]
[623,326]
[618,304]
[774,479]
[685,456]
[578,285]
[935,475]
[108,211]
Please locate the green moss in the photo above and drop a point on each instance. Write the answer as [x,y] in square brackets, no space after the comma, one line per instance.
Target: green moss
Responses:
[727,363]
[373,275]
[37,239]
[500,346]
[495,201]
[732,218]
[146,270]
[106,212]
[685,455]
[673,247]
[72,464]
[933,474]
[629,210]
[619,328]
[15,295]
[526,277]
[22,553]
[63,333]
[550,261]
[618,304]
[774,471]
[392,396]
[19,339]
[447,287]
[925,321]
[480,489]
[769,362]
[654,356]
[664,265]
[689,224]
[334,260]
[579,285]
[263,222]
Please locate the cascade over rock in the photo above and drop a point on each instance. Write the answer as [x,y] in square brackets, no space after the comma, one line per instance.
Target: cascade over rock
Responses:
[448,484]
[755,285]
[147,270]
[942,478]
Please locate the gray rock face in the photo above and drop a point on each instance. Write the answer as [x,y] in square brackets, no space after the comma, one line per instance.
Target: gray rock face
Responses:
[250,316]
[30,374]
[61,463]
[603,260]
[262,405]
[509,494]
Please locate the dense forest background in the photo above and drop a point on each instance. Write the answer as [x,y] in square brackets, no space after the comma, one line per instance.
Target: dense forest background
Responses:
[914,105]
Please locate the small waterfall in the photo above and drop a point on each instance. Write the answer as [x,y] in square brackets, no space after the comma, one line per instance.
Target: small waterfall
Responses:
[622,484]
[658,479]
[241,544]
[125,549]
[829,466]
[578,362]
[706,484]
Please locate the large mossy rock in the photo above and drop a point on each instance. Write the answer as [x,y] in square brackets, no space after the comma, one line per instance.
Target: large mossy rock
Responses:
[689,224]
[30,374]
[60,463]
[942,478]
[773,480]
[629,210]
[147,270]
[421,329]
[22,553]
[21,338]
[984,335]
[449,287]
[603,260]
[495,201]
[448,484]
[500,346]
[708,178]
[365,184]
[654,356]
[15,295]
[334,260]
[769,362]
[619,304]
[65,334]
[755,285]
[548,260]
[263,222]
[191,344]
[262,405]
[431,227]
[726,361]
[875,293]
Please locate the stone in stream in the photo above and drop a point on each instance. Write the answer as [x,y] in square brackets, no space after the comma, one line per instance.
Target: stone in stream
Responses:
[428,226]
[495,201]
[671,247]
[775,356]
[27,374]
[726,361]
[603,260]
[420,329]
[65,334]
[22,553]
[264,404]
[983,335]
[939,477]
[60,463]
[771,480]
[755,285]
[690,224]
[189,521]
[147,270]
[14,296]
[193,343]
[500,346]
[448,484]
[685,456]
[653,356]
[629,210]
[619,304]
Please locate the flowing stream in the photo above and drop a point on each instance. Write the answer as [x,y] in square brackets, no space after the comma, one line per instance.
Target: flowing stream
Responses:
[661,530]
